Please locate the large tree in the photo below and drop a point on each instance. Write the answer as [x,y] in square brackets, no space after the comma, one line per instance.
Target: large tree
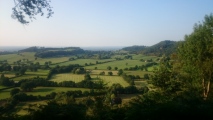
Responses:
[30,8]
[166,78]
[196,55]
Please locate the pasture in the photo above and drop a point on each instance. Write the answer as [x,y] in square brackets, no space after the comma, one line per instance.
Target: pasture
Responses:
[82,62]
[121,64]
[94,65]
[109,80]
[138,72]
[30,74]
[21,108]
[97,72]
[67,77]
[11,58]
[9,75]
[5,93]
[16,79]
[42,91]
[54,61]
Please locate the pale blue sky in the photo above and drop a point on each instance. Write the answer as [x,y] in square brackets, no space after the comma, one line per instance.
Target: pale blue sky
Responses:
[105,22]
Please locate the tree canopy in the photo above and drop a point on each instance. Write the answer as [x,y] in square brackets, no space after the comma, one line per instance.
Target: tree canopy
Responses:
[196,55]
[30,8]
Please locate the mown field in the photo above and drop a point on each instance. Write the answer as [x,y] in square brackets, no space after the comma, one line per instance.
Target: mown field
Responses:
[109,80]
[67,77]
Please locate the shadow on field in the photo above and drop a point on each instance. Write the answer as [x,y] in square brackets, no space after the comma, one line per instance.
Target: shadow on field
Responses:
[43,90]
[53,77]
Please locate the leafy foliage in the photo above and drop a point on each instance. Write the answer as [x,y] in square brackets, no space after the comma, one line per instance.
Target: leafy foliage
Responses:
[165,78]
[196,56]
[30,8]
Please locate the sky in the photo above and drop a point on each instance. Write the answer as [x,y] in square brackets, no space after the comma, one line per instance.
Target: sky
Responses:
[104,23]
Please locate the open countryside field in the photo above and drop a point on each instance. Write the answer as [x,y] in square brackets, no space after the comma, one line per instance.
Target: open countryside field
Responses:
[140,83]
[16,79]
[97,72]
[9,75]
[47,90]
[109,80]
[83,61]
[1,87]
[54,61]
[140,56]
[121,64]
[11,58]
[22,106]
[138,72]
[5,93]
[40,72]
[77,78]
[137,57]
[30,74]
[42,91]
[67,77]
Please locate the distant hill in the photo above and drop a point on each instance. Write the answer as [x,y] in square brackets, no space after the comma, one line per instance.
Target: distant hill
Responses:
[53,52]
[30,49]
[134,48]
[166,47]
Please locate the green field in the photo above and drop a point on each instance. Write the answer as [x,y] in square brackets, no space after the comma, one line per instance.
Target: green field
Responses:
[15,57]
[67,77]
[27,77]
[47,90]
[39,72]
[140,83]
[82,62]
[77,78]
[121,64]
[97,72]
[1,87]
[11,58]
[29,74]
[5,93]
[112,79]
[22,106]
[41,91]
[63,61]
[139,72]
[54,61]
[9,75]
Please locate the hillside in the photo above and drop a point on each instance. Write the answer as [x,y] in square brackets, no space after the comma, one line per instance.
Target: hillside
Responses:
[53,52]
[164,47]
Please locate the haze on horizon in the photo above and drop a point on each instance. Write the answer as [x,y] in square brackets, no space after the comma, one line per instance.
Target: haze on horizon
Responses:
[105,23]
